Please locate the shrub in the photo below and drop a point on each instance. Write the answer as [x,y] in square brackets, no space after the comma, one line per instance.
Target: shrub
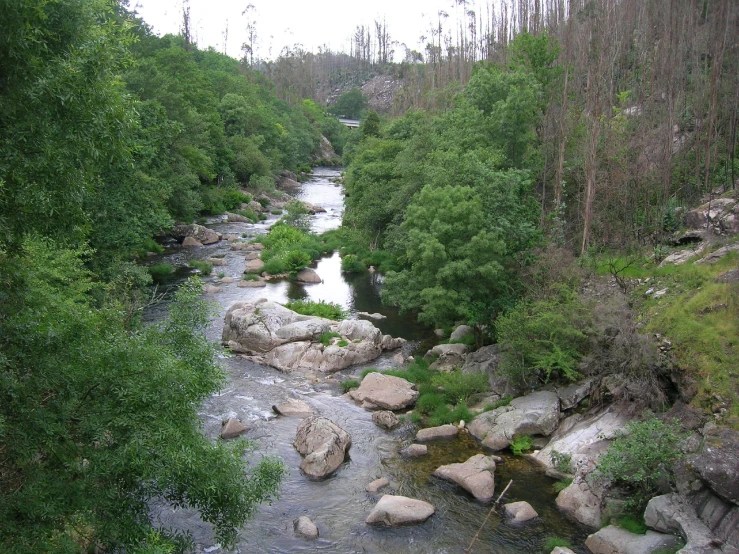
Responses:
[233,198]
[296,260]
[349,384]
[296,215]
[251,215]
[264,201]
[275,266]
[498,404]
[276,212]
[221,275]
[150,245]
[160,270]
[203,267]
[261,184]
[326,337]
[458,386]
[632,523]
[561,461]
[444,414]
[561,485]
[342,343]
[250,277]
[520,444]
[327,310]
[351,264]
[642,457]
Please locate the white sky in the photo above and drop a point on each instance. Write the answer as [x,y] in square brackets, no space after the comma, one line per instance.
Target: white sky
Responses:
[312,23]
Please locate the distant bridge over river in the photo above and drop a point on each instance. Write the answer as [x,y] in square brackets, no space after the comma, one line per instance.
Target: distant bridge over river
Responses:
[351,123]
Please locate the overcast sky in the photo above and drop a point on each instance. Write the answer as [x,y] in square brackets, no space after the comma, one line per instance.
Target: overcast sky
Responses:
[287,22]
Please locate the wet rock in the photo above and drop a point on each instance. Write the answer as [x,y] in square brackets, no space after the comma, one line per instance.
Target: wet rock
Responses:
[313,209]
[251,284]
[323,445]
[305,528]
[232,428]
[376,485]
[520,511]
[385,419]
[475,476]
[533,414]
[442,432]
[211,289]
[251,255]
[614,540]
[237,218]
[217,262]
[460,332]
[391,343]
[581,503]
[385,392]
[254,266]
[414,451]
[394,511]
[252,325]
[227,280]
[450,356]
[293,407]
[247,246]
[718,464]
[308,276]
[230,237]
[198,232]
[376,316]
[191,242]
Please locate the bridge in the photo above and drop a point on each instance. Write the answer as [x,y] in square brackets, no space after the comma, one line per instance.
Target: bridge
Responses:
[351,123]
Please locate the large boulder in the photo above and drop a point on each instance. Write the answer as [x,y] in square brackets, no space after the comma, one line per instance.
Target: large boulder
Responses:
[571,395]
[716,255]
[254,266]
[533,414]
[294,408]
[475,476]
[305,329]
[305,528]
[385,419]
[614,540]
[314,356]
[718,463]
[450,356]
[460,333]
[252,326]
[378,391]
[581,502]
[375,486]
[394,511]
[237,218]
[308,276]
[520,511]
[323,445]
[442,432]
[670,514]
[414,451]
[720,215]
[232,428]
[198,232]
[359,329]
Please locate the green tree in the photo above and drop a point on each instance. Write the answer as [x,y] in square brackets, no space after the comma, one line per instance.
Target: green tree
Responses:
[350,104]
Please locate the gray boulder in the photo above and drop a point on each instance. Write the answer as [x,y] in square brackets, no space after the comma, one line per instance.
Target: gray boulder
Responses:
[571,395]
[386,392]
[252,327]
[305,528]
[306,329]
[323,445]
[211,289]
[414,451]
[391,343]
[376,485]
[308,276]
[393,511]
[237,218]
[254,266]
[450,356]
[232,428]
[533,414]
[191,242]
[561,550]
[293,407]
[670,514]
[520,511]
[358,329]
[718,464]
[251,284]
[198,232]
[385,419]
[475,476]
[441,432]
[460,332]
[580,502]
[614,540]
[720,215]
[716,255]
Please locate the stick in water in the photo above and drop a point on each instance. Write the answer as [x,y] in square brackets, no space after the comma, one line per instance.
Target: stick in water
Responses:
[477,535]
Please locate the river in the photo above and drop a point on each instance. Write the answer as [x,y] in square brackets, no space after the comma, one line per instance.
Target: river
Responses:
[339,505]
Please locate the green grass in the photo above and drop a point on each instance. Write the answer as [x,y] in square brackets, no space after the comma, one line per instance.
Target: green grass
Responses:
[632,523]
[326,337]
[160,270]
[349,384]
[342,343]
[561,485]
[221,275]
[150,246]
[250,277]
[520,444]
[550,543]
[251,215]
[203,267]
[498,404]
[327,310]
[276,212]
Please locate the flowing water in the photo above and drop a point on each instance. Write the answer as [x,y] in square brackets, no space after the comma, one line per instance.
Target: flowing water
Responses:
[339,505]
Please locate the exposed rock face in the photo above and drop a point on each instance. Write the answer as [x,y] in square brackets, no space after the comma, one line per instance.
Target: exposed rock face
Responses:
[721,517]
[581,503]
[293,407]
[715,256]
[520,511]
[305,528]
[718,464]
[376,485]
[720,215]
[534,414]
[414,451]
[307,275]
[288,183]
[323,445]
[682,256]
[450,356]
[391,343]
[394,511]
[614,540]
[198,232]
[486,360]
[290,342]
[437,433]
[475,476]
[384,392]
[570,396]
[385,419]
[312,208]
[325,150]
[668,514]
[372,316]
[232,428]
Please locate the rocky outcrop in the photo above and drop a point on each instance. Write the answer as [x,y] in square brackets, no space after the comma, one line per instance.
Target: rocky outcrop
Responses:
[561,550]
[293,407]
[232,428]
[520,511]
[448,356]
[718,463]
[308,276]
[312,208]
[580,502]
[571,395]
[442,432]
[378,391]
[211,289]
[394,511]
[475,476]
[290,342]
[485,360]
[197,232]
[323,445]
[716,255]
[614,540]
[385,419]
[533,414]
[305,528]
[325,151]
[720,216]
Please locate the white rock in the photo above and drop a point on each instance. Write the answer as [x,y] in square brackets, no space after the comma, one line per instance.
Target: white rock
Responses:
[385,392]
[305,528]
[520,511]
[394,511]
[475,476]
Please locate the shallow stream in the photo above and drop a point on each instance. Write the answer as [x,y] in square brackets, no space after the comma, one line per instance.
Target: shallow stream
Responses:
[339,505]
